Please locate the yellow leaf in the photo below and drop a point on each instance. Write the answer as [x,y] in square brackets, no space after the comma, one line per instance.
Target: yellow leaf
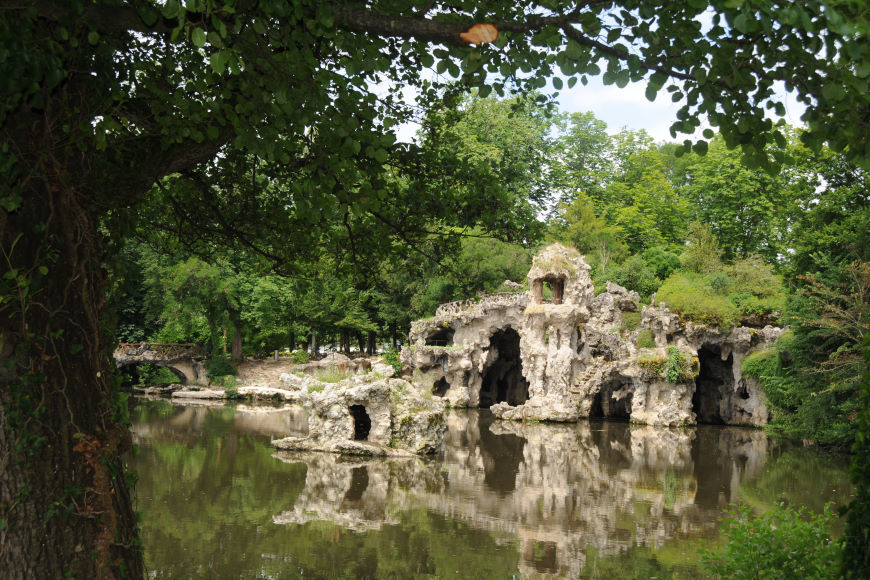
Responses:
[480,33]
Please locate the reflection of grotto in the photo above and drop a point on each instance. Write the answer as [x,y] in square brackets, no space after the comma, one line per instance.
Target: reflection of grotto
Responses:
[543,557]
[442,336]
[440,387]
[504,380]
[714,381]
[606,405]
[362,423]
[502,455]
[359,483]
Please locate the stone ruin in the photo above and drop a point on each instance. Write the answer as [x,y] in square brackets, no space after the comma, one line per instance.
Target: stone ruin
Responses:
[558,352]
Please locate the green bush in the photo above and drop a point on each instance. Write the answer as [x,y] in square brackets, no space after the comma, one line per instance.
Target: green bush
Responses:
[630,321]
[692,298]
[678,367]
[392,358]
[635,275]
[662,262]
[299,357]
[760,364]
[646,339]
[219,366]
[782,544]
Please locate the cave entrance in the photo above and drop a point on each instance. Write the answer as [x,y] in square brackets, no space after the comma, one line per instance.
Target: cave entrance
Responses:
[440,337]
[439,389]
[362,424]
[613,401]
[715,380]
[503,381]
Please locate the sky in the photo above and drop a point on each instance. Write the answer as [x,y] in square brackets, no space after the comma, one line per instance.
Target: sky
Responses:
[629,107]
[626,107]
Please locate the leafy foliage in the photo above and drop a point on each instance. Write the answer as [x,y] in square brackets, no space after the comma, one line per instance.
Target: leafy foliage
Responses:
[783,543]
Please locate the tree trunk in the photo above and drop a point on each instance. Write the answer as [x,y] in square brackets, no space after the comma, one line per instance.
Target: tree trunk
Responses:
[313,343]
[237,343]
[361,342]
[64,502]
[372,346]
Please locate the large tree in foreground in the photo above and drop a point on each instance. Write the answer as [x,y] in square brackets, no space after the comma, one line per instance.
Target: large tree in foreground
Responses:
[101,99]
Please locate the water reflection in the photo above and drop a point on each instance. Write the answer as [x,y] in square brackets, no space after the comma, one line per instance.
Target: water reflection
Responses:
[596,499]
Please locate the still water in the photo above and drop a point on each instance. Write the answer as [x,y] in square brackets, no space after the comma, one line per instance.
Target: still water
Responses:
[506,500]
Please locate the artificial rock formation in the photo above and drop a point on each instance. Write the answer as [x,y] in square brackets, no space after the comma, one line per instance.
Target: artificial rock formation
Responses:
[558,352]
[366,415]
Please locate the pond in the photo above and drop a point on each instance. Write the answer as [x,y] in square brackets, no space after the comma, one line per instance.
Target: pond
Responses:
[505,500]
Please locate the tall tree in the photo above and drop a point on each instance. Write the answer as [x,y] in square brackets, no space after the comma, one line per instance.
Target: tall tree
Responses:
[103,99]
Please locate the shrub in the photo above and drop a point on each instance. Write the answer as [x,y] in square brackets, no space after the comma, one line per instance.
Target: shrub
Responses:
[662,262]
[690,297]
[635,275]
[761,363]
[679,367]
[781,544]
[720,282]
[299,357]
[219,366]
[630,321]
[392,358]
[646,339]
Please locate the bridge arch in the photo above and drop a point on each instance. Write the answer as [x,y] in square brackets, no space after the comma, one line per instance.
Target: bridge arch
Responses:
[184,360]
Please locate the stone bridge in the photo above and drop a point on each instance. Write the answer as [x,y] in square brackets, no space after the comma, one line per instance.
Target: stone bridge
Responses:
[185,360]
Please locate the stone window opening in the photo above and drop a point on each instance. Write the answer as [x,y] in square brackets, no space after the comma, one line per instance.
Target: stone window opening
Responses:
[554,286]
[362,423]
[441,337]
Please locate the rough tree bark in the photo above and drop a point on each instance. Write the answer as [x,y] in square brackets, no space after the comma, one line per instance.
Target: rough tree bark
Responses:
[63,495]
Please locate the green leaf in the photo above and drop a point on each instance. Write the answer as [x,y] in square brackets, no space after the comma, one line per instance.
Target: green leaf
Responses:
[651,92]
[149,15]
[170,9]
[700,147]
[218,61]
[427,60]
[833,92]
[557,83]
[93,37]
[198,37]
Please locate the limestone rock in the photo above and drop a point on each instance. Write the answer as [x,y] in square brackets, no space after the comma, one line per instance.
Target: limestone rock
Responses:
[369,415]
[558,353]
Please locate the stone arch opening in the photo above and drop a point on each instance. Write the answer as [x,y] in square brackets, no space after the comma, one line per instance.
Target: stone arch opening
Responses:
[439,389]
[442,336]
[148,372]
[362,423]
[713,384]
[503,380]
[613,401]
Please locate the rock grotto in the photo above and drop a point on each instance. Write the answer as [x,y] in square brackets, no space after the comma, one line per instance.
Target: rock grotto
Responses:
[558,352]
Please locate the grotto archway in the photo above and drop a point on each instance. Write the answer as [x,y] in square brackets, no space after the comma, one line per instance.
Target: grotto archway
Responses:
[613,401]
[503,380]
[362,423]
[713,384]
